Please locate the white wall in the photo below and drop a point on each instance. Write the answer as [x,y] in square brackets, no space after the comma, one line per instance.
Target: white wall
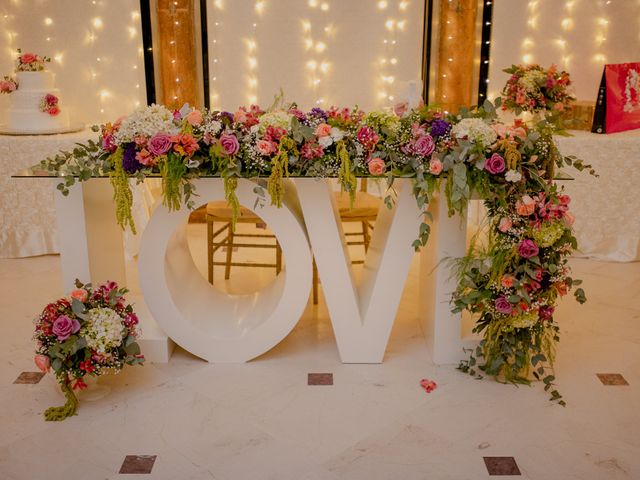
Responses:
[258,46]
[95,46]
[579,36]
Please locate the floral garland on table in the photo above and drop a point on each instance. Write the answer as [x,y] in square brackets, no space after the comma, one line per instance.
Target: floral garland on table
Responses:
[92,332]
[472,151]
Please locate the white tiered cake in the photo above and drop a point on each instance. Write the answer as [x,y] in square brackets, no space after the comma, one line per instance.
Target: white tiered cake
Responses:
[25,113]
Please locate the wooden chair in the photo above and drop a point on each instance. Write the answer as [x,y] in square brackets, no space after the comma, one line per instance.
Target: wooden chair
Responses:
[221,212]
[364,211]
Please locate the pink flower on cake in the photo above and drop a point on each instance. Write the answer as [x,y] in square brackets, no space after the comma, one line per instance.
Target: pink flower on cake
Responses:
[8,85]
[53,111]
[376,166]
[229,143]
[428,385]
[159,144]
[51,99]
[28,58]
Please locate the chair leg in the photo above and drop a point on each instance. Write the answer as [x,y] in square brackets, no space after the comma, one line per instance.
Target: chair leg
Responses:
[227,268]
[365,234]
[278,257]
[210,249]
[315,282]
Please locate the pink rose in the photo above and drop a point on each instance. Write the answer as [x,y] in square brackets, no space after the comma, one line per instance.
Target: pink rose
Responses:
[28,58]
[7,86]
[495,164]
[376,166]
[505,224]
[53,111]
[42,362]
[265,147]
[503,306]
[424,145]
[194,117]
[435,166]
[64,327]
[229,143]
[159,144]
[507,281]
[323,130]
[79,294]
[528,248]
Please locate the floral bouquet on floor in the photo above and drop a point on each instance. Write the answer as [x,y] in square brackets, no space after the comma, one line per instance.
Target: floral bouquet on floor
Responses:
[93,332]
[534,89]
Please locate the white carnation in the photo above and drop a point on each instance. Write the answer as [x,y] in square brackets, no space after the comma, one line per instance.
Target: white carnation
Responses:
[325,141]
[476,130]
[513,176]
[336,133]
[103,329]
[146,121]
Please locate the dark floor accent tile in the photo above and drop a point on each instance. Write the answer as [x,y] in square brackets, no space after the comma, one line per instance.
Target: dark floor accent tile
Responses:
[320,379]
[501,466]
[29,377]
[137,464]
[612,379]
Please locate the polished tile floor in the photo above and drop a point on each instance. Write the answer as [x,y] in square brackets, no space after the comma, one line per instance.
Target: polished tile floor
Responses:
[266,420]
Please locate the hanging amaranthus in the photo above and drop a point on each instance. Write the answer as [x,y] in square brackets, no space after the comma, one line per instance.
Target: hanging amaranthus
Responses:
[280,168]
[172,169]
[57,414]
[122,195]
[346,177]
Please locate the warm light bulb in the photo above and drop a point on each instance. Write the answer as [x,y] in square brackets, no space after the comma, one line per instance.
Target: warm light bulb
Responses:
[382,4]
[97,22]
[259,7]
[320,47]
[48,21]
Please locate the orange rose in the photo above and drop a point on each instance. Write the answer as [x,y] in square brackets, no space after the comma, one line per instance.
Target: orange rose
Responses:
[79,294]
[507,281]
[526,206]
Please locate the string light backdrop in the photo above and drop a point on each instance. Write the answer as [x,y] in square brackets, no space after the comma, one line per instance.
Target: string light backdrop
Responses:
[95,47]
[320,52]
[577,35]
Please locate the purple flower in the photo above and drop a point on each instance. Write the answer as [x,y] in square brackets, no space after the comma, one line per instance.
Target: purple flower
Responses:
[495,164]
[64,327]
[226,115]
[528,249]
[159,144]
[229,143]
[546,313]
[424,145]
[439,128]
[503,305]
[318,113]
[129,162]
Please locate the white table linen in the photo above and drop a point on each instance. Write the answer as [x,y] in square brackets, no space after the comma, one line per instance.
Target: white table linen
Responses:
[607,209]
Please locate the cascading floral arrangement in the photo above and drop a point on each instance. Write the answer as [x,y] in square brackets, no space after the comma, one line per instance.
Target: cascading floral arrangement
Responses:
[92,332]
[534,89]
[509,165]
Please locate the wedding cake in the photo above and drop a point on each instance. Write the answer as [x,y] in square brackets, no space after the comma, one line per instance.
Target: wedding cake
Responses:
[34,106]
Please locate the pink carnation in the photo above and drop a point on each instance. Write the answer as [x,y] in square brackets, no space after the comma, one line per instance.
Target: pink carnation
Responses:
[435,166]
[266,147]
[368,137]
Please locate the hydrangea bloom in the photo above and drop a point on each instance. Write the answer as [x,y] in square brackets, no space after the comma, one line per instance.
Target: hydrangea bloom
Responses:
[103,329]
[476,130]
[146,121]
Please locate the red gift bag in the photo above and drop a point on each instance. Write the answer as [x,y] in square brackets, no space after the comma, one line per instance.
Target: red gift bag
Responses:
[618,99]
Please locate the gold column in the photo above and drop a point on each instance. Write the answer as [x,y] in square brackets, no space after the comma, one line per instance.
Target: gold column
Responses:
[456,52]
[177,46]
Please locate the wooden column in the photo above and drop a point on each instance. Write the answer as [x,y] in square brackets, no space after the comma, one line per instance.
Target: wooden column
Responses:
[177,53]
[457,46]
